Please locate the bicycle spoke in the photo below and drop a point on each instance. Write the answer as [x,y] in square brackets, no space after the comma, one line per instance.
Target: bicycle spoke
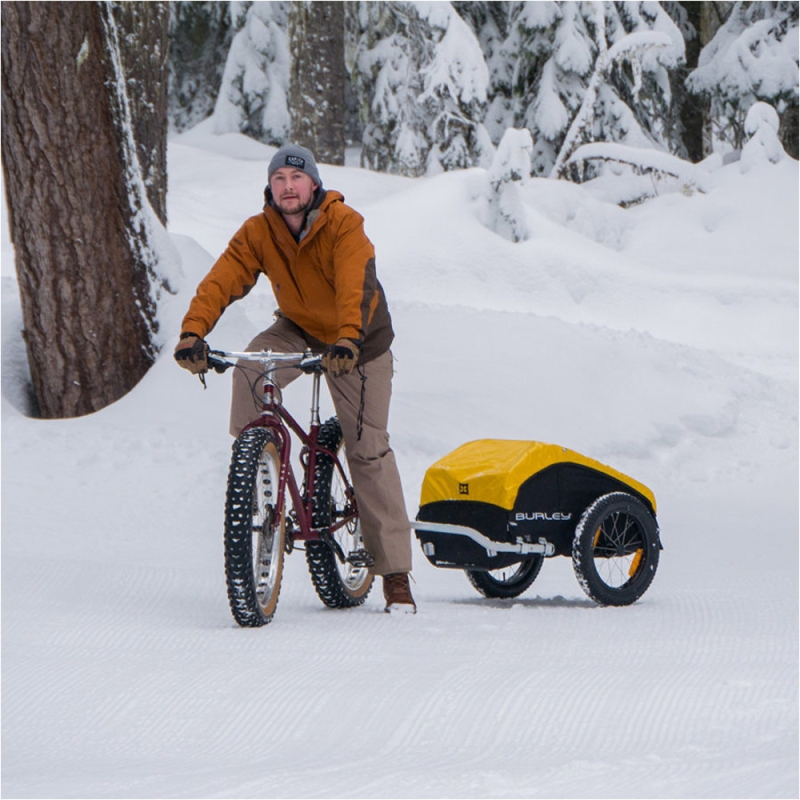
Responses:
[615,550]
[616,546]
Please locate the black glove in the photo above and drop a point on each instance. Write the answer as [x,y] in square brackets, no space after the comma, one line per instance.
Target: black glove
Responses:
[192,353]
[340,358]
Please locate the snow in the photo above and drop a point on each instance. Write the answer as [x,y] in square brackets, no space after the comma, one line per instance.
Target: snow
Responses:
[642,158]
[759,57]
[660,339]
[458,67]
[761,124]
[642,45]
[502,209]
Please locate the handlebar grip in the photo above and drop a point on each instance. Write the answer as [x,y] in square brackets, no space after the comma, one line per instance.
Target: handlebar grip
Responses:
[217,364]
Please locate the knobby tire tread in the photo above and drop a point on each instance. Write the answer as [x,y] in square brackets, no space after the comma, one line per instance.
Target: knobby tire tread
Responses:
[248,450]
[583,549]
[321,559]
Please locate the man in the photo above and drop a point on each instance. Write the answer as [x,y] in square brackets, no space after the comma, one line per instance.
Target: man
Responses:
[321,265]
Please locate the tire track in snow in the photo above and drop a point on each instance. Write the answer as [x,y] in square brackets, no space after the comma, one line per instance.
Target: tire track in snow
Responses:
[449,690]
[601,708]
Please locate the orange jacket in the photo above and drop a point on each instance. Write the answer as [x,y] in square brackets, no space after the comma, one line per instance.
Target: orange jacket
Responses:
[325,283]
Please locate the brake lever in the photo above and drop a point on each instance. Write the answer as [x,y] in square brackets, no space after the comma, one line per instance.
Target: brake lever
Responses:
[311,364]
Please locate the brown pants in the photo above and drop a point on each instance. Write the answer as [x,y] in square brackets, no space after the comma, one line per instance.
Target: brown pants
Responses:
[376,480]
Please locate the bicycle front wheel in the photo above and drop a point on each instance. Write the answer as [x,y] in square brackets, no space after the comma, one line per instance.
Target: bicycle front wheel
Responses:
[340,583]
[254,531]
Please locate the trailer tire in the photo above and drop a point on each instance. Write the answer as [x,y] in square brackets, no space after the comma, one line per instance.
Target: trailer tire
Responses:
[509,581]
[616,549]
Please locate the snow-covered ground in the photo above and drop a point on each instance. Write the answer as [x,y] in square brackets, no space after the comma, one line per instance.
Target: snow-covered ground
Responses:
[661,339]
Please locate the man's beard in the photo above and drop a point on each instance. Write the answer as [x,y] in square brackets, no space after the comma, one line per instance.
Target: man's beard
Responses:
[293,205]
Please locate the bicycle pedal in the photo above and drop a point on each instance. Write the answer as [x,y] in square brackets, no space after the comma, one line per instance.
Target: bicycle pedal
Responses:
[360,558]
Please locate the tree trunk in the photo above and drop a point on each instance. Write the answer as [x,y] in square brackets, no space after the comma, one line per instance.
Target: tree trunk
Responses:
[144,48]
[712,17]
[317,79]
[693,110]
[789,130]
[78,215]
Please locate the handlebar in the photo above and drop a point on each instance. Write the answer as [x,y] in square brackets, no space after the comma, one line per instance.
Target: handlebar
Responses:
[308,362]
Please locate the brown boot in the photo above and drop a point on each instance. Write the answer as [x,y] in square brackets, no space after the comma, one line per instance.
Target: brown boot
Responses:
[398,593]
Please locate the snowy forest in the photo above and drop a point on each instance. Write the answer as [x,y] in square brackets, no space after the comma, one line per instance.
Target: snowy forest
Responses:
[660,92]
[585,219]
[430,87]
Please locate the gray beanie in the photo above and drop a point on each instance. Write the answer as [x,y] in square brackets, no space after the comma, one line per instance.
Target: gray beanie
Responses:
[292,155]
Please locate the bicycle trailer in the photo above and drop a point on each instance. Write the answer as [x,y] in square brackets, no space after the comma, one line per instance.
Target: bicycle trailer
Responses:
[497,508]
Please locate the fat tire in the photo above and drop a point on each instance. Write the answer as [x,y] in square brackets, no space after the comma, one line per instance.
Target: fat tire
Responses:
[323,562]
[493,584]
[255,464]
[616,549]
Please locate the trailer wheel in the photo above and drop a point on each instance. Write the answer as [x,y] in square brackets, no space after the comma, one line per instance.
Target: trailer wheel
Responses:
[510,581]
[615,550]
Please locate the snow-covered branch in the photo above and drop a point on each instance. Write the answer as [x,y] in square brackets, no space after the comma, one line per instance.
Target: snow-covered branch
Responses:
[632,48]
[641,160]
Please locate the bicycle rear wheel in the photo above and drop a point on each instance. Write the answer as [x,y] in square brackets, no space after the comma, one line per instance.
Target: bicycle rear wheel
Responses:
[254,531]
[339,584]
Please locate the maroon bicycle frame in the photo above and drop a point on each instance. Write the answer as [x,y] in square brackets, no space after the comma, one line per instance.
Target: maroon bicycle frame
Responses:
[279,421]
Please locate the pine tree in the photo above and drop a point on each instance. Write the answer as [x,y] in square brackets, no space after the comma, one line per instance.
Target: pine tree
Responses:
[689,113]
[385,84]
[763,145]
[255,82]
[421,82]
[753,57]
[544,58]
[556,52]
[651,48]
[502,209]
[490,22]
[200,37]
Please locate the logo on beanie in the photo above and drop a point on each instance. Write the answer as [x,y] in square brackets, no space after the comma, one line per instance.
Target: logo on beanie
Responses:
[295,161]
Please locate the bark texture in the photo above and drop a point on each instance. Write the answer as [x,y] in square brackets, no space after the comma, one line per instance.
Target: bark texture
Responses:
[144,50]
[83,265]
[317,80]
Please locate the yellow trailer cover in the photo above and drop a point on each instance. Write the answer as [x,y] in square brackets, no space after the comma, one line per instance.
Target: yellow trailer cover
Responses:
[492,470]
